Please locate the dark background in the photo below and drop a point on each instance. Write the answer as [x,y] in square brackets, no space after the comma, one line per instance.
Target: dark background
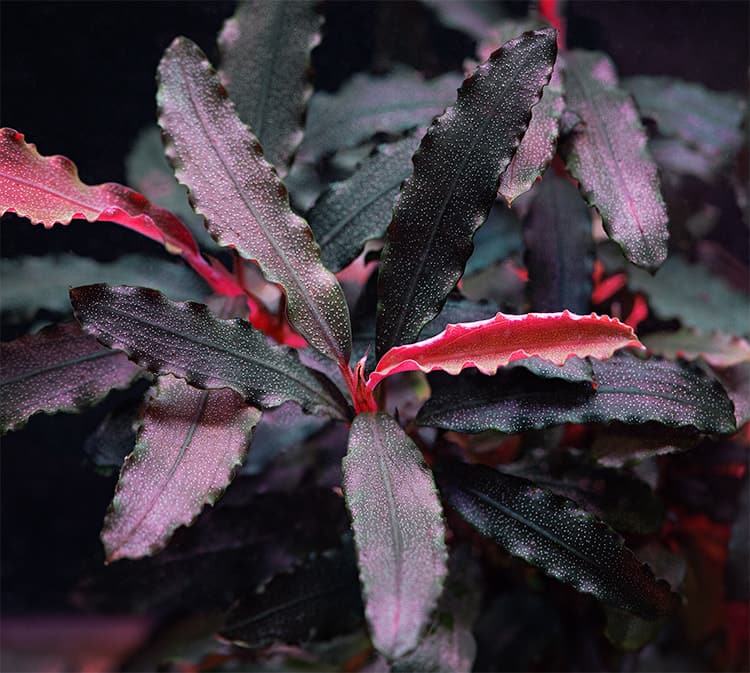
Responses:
[78,80]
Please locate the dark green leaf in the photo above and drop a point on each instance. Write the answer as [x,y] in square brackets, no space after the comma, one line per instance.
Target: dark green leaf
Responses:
[398,531]
[552,533]
[265,61]
[352,212]
[367,105]
[497,239]
[456,174]
[628,389]
[607,154]
[189,342]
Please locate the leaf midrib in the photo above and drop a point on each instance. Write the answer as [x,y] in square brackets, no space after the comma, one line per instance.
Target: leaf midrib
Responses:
[60,365]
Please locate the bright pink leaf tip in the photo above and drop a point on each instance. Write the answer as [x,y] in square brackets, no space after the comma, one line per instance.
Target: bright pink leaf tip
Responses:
[490,344]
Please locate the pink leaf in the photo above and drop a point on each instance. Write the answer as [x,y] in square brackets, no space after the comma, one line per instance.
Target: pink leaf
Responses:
[489,344]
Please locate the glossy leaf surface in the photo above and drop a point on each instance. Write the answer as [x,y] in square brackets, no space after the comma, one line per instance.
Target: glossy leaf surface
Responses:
[367,105]
[245,204]
[489,344]
[188,341]
[607,154]
[60,368]
[456,174]
[188,448]
[719,350]
[555,535]
[398,531]
[628,390]
[559,248]
[265,60]
[359,208]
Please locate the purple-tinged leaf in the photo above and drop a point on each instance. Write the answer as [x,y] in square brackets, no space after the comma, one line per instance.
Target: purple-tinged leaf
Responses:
[575,370]
[318,600]
[697,298]
[736,381]
[456,173]
[674,156]
[186,340]
[358,209]
[555,535]
[60,368]
[245,204]
[476,18]
[265,63]
[398,531]
[719,350]
[618,445]
[607,154]
[188,448]
[559,248]
[367,105]
[628,389]
[458,311]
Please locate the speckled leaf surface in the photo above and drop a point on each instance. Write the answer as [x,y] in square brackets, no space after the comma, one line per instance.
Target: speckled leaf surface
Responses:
[265,62]
[60,368]
[555,535]
[398,531]
[359,208]
[29,284]
[608,156]
[456,172]
[318,600]
[693,295]
[186,340]
[366,105]
[559,248]
[245,204]
[630,390]
[719,350]
[490,344]
[188,448]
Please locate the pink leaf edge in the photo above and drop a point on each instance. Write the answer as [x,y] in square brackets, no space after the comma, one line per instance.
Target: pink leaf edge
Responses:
[492,343]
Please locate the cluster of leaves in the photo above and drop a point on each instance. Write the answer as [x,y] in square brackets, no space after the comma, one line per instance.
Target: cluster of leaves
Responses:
[463,371]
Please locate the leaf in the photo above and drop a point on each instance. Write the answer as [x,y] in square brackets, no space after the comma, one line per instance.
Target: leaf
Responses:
[188,448]
[719,350]
[245,204]
[694,296]
[736,381]
[398,531]
[113,439]
[628,389]
[58,369]
[367,105]
[456,173]
[559,248]
[607,154]
[489,344]
[30,284]
[319,600]
[705,120]
[458,310]
[553,534]
[47,191]
[358,209]
[474,17]
[265,63]
[496,240]
[186,340]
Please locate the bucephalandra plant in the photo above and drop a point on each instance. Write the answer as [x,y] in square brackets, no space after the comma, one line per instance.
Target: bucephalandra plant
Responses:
[546,129]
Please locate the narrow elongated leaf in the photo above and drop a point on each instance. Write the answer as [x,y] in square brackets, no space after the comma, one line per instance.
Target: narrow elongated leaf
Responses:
[47,191]
[319,600]
[29,284]
[265,60]
[187,341]
[456,174]
[628,389]
[607,154]
[245,204]
[559,248]
[489,344]
[367,105]
[694,296]
[719,350]
[352,212]
[398,531]
[187,450]
[60,368]
[553,534]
